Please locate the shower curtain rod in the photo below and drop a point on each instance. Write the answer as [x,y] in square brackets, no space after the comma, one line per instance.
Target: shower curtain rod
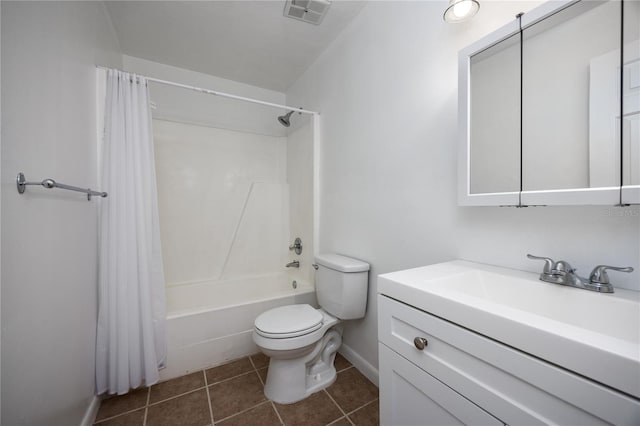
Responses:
[216,93]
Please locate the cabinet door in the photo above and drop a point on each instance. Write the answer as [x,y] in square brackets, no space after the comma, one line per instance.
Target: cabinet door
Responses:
[410,396]
[513,386]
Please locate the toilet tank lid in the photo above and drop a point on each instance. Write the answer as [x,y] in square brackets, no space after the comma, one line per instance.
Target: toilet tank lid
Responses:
[341,263]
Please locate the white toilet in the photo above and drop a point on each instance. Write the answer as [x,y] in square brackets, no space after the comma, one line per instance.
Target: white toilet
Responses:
[302,341]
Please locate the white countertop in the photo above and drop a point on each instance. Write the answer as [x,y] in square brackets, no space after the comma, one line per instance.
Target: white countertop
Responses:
[594,334]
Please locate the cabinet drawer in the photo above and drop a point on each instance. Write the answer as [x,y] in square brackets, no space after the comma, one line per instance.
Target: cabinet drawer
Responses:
[511,385]
[409,396]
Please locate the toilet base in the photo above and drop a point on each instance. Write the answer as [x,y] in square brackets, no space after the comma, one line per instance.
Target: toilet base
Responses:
[292,380]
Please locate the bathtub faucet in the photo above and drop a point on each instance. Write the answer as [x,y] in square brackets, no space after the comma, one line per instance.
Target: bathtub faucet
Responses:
[294,264]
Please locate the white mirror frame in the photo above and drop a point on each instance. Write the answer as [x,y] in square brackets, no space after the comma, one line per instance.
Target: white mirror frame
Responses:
[576,196]
[631,194]
[465,197]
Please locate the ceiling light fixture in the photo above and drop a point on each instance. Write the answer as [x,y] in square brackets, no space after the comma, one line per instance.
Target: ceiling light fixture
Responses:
[461,10]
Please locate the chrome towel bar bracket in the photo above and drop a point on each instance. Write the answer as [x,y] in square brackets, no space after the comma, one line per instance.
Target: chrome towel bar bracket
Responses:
[21,183]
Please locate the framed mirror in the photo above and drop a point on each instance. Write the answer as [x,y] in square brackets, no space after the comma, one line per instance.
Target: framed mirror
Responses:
[540,108]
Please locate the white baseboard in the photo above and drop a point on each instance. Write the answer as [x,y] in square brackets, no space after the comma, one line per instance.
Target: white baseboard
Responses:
[92,411]
[360,363]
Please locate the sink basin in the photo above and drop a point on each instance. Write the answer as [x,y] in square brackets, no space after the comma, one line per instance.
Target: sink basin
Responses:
[617,317]
[594,334]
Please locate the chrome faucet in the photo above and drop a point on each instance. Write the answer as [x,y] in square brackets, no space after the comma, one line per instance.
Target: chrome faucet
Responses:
[562,273]
[294,264]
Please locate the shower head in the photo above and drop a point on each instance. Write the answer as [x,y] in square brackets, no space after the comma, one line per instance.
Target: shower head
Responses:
[284,119]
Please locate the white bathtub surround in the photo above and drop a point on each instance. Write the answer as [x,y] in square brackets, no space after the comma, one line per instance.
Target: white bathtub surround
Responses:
[227,199]
[131,341]
[210,322]
[300,175]
[223,200]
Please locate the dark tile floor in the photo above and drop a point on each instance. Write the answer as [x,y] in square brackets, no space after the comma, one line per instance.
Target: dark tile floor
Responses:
[232,394]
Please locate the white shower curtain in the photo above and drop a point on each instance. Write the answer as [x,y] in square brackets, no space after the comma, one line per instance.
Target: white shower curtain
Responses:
[131,341]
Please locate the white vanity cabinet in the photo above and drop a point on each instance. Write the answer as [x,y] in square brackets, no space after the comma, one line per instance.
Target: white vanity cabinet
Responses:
[462,377]
[411,396]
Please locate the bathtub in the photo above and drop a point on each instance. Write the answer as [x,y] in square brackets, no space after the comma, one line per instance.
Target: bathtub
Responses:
[210,322]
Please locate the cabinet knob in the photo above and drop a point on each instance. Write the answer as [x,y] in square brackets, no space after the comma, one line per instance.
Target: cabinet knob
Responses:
[420,343]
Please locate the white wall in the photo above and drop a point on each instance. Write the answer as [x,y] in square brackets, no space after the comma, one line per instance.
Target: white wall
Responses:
[387,92]
[49,239]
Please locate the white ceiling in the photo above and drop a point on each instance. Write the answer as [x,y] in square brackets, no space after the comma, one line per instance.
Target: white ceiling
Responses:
[247,41]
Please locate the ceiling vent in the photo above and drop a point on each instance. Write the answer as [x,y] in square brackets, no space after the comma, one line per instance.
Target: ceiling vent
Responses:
[311,11]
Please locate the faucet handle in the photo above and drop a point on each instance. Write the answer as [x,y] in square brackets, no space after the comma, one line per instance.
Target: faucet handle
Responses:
[297,246]
[599,273]
[562,267]
[549,264]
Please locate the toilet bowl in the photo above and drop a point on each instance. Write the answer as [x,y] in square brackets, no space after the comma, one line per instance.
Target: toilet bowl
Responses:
[301,355]
[302,341]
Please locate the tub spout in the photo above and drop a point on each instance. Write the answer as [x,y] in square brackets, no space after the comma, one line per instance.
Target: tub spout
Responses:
[294,264]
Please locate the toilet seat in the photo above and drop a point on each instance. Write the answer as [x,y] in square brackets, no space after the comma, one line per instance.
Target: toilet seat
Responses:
[288,321]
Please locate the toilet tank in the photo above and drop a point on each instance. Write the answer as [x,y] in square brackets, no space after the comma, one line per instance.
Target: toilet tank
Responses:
[341,285]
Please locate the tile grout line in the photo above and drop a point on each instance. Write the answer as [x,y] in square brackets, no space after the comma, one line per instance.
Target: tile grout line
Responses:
[277,412]
[344,369]
[176,396]
[263,383]
[228,379]
[245,410]
[362,406]
[211,367]
[256,370]
[97,422]
[146,407]
[339,407]
[337,420]
[231,378]
[252,363]
[206,386]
